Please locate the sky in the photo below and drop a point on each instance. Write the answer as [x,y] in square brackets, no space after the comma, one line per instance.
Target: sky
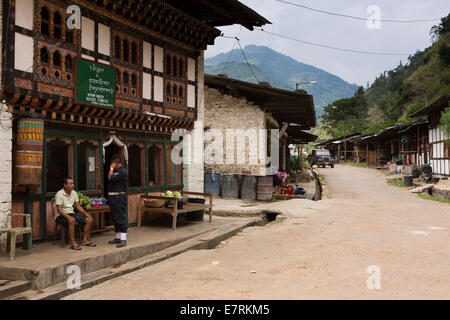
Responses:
[299,23]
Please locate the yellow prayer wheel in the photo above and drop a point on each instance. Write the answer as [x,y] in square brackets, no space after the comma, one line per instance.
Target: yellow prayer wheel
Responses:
[30,142]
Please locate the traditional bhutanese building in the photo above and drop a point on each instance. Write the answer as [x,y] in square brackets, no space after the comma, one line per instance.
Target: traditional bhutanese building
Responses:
[436,141]
[85,79]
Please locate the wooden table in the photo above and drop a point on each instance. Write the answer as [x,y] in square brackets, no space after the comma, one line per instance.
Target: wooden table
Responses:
[174,212]
[100,211]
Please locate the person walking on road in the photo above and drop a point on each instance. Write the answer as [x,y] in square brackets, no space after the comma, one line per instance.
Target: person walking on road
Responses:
[118,200]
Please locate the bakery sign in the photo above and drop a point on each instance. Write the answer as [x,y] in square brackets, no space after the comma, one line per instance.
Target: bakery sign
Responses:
[96,84]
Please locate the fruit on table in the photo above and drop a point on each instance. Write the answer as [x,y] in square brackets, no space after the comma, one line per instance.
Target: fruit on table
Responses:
[177,194]
[169,194]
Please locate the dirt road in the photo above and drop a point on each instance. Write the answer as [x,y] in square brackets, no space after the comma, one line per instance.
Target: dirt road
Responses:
[321,251]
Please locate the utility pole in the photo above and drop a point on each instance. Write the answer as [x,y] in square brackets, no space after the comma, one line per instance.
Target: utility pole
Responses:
[345,138]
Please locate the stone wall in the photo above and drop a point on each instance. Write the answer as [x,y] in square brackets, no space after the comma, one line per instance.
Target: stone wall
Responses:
[222,112]
[5,157]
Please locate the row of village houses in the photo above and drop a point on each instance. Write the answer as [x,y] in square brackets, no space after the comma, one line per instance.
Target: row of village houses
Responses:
[122,84]
[417,143]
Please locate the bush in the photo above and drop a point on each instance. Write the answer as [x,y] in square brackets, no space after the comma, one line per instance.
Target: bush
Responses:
[444,53]
[445,122]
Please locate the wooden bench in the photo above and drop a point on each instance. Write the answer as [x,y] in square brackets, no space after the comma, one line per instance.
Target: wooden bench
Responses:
[174,212]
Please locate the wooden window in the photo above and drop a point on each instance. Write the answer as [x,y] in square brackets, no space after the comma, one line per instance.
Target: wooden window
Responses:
[180,92]
[133,80]
[175,91]
[174,66]
[125,78]
[125,50]
[155,165]
[45,21]
[173,170]
[135,164]
[134,59]
[44,55]
[168,90]
[69,63]
[57,164]
[181,69]
[88,166]
[69,36]
[56,59]
[168,65]
[117,47]
[57,26]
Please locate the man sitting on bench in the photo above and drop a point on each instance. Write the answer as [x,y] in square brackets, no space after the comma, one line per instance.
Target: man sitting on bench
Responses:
[65,200]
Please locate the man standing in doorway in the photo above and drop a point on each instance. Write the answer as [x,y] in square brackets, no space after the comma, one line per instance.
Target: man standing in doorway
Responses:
[118,200]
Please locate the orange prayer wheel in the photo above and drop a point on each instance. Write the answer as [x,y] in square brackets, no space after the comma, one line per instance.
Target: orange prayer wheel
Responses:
[30,145]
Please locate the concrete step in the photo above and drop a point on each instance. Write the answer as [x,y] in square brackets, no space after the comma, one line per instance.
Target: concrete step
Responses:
[46,276]
[10,287]
[205,241]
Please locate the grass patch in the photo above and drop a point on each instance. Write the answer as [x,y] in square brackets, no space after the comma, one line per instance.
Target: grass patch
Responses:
[396,182]
[428,197]
[278,220]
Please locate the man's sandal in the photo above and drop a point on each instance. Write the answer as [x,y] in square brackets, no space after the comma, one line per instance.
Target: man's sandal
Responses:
[90,244]
[75,248]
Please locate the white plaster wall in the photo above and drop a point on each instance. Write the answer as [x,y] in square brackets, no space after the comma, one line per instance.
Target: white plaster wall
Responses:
[24,13]
[159,59]
[159,89]
[191,96]
[104,39]
[5,155]
[193,173]
[147,86]
[5,171]
[85,56]
[104,62]
[23,53]
[88,33]
[147,55]
[191,69]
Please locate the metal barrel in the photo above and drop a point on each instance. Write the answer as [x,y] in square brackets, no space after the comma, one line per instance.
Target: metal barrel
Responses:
[230,186]
[30,142]
[212,186]
[408,180]
[265,188]
[249,186]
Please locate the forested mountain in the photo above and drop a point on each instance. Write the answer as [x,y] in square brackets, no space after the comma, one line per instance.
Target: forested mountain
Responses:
[397,93]
[280,71]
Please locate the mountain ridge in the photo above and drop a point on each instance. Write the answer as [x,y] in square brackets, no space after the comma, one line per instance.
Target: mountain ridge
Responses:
[280,71]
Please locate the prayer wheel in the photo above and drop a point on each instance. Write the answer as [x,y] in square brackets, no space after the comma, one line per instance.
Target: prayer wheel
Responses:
[30,142]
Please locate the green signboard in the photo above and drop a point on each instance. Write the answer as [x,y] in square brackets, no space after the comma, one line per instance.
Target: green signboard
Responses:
[96,84]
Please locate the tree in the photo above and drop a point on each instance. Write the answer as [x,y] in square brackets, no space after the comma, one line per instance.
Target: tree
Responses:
[445,123]
[444,53]
[438,31]
[346,115]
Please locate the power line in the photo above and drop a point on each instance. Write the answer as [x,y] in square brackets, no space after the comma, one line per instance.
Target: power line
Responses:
[254,75]
[358,18]
[243,53]
[334,48]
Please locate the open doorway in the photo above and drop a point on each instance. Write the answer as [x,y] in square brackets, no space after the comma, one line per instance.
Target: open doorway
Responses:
[110,151]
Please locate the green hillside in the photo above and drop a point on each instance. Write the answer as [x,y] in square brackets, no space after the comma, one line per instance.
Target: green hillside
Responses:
[395,94]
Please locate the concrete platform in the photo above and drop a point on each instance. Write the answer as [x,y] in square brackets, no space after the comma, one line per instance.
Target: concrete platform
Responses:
[47,264]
